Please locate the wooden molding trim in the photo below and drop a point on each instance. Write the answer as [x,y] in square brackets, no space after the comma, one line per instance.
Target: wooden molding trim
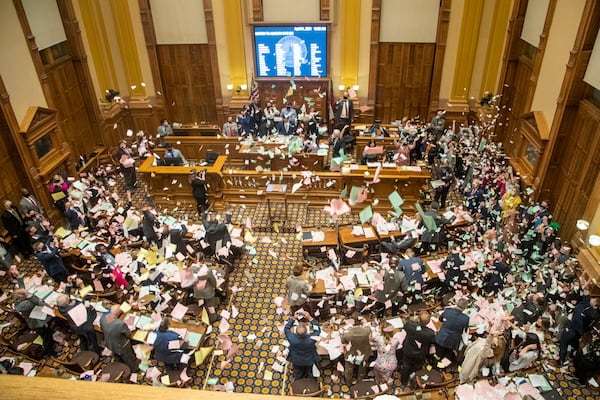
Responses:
[374,53]
[212,48]
[325,10]
[257,11]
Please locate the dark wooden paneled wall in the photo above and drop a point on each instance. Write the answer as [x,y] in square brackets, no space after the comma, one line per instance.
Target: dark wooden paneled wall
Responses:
[275,90]
[13,176]
[187,81]
[576,168]
[70,103]
[404,75]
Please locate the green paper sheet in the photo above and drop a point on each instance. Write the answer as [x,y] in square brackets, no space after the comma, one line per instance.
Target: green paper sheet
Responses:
[366,214]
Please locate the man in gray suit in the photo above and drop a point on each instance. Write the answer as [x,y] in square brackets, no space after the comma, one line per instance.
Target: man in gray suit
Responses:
[117,337]
[28,202]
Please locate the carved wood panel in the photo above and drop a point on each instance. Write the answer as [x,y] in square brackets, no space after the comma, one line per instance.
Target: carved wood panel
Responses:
[275,90]
[13,175]
[187,80]
[404,75]
[577,168]
[70,104]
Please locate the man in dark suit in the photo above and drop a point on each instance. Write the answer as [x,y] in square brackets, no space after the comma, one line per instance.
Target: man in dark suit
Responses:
[344,112]
[285,127]
[416,346]
[393,290]
[413,269]
[454,324]
[117,337]
[584,314]
[15,225]
[48,255]
[303,349]
[431,238]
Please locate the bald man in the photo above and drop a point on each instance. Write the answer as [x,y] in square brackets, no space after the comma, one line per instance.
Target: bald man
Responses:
[117,337]
[24,304]
[85,330]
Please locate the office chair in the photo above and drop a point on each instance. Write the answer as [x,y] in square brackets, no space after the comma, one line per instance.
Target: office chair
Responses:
[211,157]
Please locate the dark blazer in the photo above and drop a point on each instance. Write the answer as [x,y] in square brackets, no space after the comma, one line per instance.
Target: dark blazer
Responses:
[452,265]
[87,326]
[149,222]
[12,223]
[410,275]
[281,128]
[177,235]
[439,235]
[303,350]
[583,316]
[161,347]
[51,261]
[339,106]
[454,323]
[425,336]
[393,282]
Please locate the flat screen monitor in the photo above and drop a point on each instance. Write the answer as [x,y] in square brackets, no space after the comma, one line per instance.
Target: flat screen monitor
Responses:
[291,51]
[173,161]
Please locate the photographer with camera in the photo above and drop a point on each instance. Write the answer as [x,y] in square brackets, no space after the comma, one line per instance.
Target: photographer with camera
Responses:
[303,349]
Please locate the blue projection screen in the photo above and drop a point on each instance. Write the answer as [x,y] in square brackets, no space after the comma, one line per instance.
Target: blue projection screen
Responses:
[291,51]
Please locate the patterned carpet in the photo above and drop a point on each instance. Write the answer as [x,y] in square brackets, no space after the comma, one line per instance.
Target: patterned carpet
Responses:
[258,278]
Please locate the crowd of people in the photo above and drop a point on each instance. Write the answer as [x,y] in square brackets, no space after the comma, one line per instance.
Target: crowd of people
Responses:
[507,292]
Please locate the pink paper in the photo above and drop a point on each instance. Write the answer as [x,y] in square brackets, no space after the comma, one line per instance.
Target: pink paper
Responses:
[224,326]
[179,311]
[78,314]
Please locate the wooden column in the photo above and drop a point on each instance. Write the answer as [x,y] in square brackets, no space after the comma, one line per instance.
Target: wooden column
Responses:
[150,38]
[212,49]
[467,46]
[495,47]
[374,56]
[128,49]
[440,52]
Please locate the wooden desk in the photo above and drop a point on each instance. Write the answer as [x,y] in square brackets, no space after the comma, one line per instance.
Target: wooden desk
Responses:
[330,239]
[348,239]
[237,186]
[94,160]
[196,130]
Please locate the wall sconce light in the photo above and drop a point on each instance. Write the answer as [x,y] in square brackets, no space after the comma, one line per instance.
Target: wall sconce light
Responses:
[356,87]
[582,225]
[244,86]
[229,86]
[341,87]
[594,240]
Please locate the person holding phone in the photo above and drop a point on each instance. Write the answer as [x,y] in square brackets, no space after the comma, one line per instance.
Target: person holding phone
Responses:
[303,349]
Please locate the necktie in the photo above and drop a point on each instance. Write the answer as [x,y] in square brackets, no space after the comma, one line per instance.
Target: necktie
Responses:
[230,130]
[346,108]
